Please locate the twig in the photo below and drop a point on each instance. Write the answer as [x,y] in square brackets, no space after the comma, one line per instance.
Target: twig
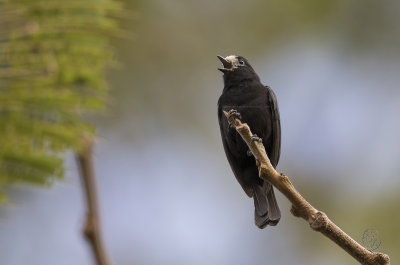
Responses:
[317,220]
[92,227]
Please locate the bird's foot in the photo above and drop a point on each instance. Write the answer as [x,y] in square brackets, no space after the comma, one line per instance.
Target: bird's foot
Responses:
[233,114]
[255,138]
[249,153]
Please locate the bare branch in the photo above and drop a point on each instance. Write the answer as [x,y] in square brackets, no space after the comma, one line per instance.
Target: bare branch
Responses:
[92,226]
[317,220]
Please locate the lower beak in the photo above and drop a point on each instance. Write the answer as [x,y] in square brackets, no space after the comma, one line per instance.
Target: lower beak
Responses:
[227,64]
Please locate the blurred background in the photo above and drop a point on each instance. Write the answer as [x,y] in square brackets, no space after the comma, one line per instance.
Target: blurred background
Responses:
[167,194]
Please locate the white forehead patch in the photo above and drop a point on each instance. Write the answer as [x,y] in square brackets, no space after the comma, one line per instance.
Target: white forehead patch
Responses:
[232,59]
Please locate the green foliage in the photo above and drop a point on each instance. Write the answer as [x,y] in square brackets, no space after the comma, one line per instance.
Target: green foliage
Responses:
[52,57]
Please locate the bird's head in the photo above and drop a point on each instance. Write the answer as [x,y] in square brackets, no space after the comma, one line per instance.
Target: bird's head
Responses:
[236,67]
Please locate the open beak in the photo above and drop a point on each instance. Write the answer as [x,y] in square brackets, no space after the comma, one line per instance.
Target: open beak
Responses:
[227,65]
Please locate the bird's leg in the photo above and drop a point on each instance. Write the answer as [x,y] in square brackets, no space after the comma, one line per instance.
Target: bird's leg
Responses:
[256,138]
[235,114]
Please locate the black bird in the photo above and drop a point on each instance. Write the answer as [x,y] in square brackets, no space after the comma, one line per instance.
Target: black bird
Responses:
[258,107]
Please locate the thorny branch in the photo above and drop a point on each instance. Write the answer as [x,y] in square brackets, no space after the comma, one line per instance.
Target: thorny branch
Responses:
[317,220]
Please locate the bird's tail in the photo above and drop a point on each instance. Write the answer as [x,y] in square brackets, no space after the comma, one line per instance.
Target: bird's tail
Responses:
[266,208]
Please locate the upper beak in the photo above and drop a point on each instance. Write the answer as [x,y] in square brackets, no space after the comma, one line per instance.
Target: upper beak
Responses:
[227,64]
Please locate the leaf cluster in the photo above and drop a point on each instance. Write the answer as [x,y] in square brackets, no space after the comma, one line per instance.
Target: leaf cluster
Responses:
[52,60]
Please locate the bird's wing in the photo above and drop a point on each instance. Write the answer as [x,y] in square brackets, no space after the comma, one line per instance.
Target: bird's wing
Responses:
[275,151]
[235,166]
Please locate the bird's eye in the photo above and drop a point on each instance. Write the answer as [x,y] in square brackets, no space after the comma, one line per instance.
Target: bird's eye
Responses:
[241,62]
